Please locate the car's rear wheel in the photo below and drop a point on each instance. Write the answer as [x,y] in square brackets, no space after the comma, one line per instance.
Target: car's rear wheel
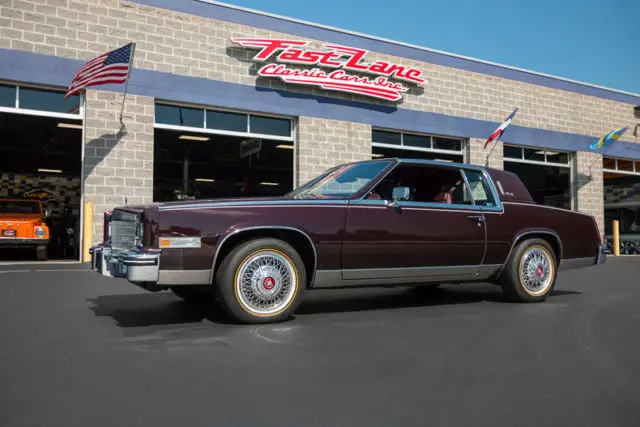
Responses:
[261,281]
[530,273]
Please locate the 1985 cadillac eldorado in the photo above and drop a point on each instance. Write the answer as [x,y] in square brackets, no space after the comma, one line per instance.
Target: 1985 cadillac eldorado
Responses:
[381,222]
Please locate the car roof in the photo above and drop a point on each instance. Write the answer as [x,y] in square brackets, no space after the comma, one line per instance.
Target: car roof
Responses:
[426,162]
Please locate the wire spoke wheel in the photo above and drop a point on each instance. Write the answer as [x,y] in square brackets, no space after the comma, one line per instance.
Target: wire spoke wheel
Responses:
[536,270]
[266,282]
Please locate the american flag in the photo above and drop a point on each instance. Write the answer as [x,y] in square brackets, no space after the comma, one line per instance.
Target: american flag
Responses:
[500,130]
[111,67]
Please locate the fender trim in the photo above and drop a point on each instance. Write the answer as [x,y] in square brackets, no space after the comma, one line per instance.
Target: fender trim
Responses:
[523,234]
[265,227]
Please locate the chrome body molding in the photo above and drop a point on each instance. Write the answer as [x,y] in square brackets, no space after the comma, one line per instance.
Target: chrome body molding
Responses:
[521,235]
[400,276]
[263,227]
[424,206]
[263,204]
[184,277]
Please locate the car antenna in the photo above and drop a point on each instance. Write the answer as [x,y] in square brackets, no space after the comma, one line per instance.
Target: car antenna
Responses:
[125,200]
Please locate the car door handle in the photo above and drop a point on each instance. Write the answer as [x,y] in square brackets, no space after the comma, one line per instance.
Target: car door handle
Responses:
[477,218]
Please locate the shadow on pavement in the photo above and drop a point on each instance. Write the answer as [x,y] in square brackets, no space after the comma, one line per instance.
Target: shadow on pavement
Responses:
[155,309]
[412,297]
[138,310]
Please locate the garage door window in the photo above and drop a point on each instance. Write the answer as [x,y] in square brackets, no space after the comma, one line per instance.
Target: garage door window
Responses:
[39,102]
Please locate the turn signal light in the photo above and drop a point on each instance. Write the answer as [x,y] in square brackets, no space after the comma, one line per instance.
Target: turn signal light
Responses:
[180,242]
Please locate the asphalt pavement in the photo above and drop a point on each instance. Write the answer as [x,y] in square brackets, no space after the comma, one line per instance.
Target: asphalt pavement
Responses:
[78,349]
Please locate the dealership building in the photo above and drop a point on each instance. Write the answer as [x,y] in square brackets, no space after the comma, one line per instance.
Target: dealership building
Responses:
[229,102]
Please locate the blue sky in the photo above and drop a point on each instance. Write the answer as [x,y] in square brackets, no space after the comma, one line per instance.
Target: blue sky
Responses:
[594,41]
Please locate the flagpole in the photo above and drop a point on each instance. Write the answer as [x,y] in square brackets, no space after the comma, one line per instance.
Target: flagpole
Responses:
[126,85]
[486,163]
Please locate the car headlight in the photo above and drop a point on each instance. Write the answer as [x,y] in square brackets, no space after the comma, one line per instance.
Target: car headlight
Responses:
[40,233]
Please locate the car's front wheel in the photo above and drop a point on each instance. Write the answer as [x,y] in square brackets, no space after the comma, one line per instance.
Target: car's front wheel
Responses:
[261,281]
[530,273]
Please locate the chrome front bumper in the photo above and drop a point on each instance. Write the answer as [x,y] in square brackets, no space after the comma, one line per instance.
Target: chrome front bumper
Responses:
[136,267]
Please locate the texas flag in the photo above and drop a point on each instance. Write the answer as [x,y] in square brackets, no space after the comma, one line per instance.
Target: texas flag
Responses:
[500,130]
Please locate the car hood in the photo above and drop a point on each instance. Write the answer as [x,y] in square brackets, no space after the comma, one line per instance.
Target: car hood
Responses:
[222,201]
[195,204]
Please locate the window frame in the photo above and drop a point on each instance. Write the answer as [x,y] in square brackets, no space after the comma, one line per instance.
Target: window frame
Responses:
[636,166]
[16,109]
[544,162]
[429,149]
[205,130]
[434,205]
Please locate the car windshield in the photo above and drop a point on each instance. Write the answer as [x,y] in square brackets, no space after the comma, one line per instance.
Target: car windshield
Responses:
[342,181]
[19,207]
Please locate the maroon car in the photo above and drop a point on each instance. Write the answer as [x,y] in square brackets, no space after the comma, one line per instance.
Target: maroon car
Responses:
[379,222]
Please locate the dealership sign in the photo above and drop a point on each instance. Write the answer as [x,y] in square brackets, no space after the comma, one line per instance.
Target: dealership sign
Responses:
[372,80]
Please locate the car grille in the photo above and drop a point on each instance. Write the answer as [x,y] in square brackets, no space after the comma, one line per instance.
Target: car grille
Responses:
[126,230]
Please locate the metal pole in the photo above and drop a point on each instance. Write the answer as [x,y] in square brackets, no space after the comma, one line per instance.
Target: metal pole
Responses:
[126,85]
[616,237]
[88,230]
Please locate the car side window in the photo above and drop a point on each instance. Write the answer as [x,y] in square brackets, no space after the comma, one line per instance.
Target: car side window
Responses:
[479,188]
[427,184]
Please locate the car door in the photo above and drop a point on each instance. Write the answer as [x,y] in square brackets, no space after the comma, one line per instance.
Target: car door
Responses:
[430,236]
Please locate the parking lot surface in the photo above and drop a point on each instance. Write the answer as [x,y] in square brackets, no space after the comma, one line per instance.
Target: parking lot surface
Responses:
[79,349]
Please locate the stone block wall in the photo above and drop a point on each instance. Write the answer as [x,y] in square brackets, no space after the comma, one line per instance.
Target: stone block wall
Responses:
[196,46]
[323,144]
[118,156]
[491,157]
[588,185]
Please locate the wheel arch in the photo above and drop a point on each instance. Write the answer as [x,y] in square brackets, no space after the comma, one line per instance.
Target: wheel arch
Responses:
[549,236]
[298,239]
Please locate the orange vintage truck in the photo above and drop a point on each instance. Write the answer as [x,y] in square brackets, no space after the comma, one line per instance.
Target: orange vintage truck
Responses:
[22,225]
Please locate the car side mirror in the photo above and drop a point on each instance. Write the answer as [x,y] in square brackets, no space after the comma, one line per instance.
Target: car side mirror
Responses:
[399,194]
[47,213]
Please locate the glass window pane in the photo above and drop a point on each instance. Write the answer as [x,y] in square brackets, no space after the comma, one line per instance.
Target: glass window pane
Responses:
[179,116]
[270,125]
[557,157]
[608,163]
[384,137]
[512,152]
[222,120]
[480,191]
[48,100]
[7,96]
[416,141]
[537,155]
[447,144]
[342,181]
[625,165]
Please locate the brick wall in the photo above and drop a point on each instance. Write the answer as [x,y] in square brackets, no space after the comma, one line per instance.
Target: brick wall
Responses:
[201,47]
[588,185]
[323,144]
[492,156]
[118,161]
